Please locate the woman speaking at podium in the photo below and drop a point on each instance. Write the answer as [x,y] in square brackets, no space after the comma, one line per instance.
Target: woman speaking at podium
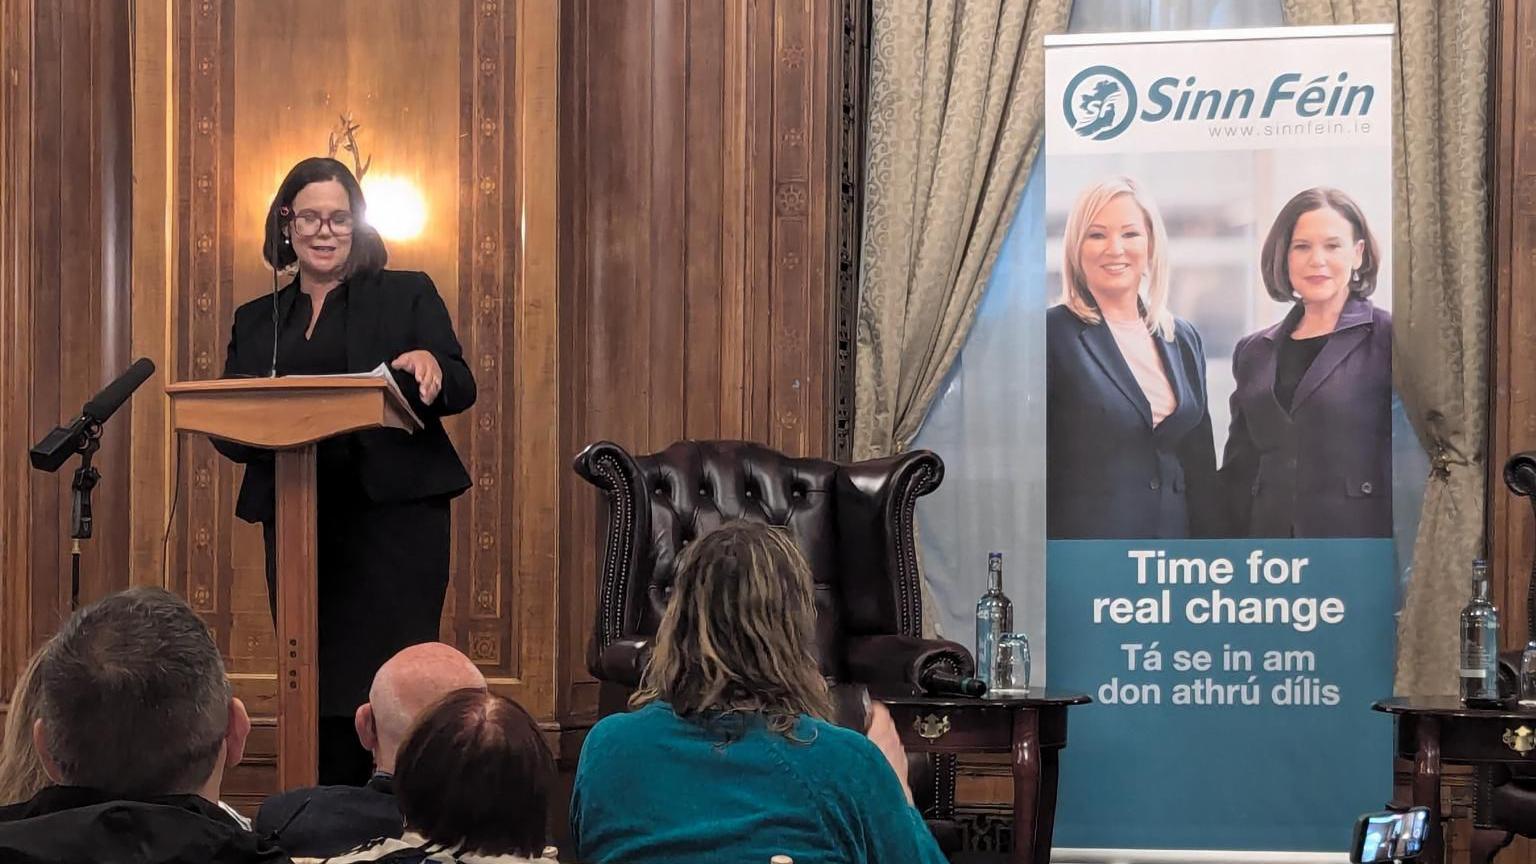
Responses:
[383,494]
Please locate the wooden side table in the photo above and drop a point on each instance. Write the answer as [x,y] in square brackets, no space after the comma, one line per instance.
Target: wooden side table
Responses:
[1431,731]
[1033,728]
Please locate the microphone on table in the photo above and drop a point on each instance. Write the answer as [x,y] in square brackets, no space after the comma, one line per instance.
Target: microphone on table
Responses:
[937,681]
[57,446]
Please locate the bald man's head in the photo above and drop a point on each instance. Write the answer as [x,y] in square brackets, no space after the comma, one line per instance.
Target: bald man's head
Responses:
[404,687]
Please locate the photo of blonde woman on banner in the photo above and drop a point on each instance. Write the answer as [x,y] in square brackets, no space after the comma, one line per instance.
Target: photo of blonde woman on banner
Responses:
[1226,372]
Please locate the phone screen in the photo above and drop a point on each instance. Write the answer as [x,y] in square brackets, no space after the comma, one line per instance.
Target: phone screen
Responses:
[1390,836]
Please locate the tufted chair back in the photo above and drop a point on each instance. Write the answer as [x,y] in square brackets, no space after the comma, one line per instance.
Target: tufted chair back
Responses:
[853,522]
[697,486]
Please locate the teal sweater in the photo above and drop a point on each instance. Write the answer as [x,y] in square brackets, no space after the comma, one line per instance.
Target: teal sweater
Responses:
[653,787]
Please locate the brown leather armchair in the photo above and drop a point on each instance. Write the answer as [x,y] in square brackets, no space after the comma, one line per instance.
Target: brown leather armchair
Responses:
[853,522]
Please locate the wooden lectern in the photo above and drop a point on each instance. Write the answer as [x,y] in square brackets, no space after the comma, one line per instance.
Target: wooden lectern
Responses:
[291,415]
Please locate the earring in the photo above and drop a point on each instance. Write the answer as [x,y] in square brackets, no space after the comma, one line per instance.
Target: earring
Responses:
[1354,275]
[285,240]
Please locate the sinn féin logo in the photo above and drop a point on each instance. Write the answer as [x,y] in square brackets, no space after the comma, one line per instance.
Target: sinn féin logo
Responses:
[1099,103]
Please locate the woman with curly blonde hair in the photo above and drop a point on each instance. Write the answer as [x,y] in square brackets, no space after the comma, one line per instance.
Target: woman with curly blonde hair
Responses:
[728,754]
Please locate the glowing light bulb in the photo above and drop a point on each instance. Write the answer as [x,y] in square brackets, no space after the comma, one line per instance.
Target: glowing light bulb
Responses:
[396,208]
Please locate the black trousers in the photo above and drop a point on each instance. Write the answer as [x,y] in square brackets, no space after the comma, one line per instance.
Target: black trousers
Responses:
[381,579]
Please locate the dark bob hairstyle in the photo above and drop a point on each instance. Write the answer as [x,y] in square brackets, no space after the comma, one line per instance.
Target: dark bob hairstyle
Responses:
[368,253]
[1274,263]
[475,775]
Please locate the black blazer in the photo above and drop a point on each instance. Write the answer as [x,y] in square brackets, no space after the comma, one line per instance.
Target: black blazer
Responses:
[1109,473]
[1324,468]
[74,823]
[388,314]
[322,821]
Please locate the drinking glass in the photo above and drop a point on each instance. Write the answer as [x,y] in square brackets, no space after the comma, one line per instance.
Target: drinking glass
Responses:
[1012,670]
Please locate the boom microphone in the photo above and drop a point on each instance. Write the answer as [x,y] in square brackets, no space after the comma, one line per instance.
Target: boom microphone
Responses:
[937,681]
[57,446]
[115,394]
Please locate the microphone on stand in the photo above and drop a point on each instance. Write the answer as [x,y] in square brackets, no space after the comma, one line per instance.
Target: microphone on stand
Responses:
[57,446]
[938,681]
[83,436]
[277,215]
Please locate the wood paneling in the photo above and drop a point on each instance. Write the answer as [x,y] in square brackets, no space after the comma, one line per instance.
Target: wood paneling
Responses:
[1512,352]
[699,164]
[638,216]
[700,177]
[1512,536]
[451,97]
[65,135]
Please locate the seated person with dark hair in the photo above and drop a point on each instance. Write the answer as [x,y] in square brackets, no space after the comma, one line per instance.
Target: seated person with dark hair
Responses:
[329,820]
[474,779]
[136,725]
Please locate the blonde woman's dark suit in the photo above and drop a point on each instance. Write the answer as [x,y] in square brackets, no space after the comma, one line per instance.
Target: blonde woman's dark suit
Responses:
[1109,472]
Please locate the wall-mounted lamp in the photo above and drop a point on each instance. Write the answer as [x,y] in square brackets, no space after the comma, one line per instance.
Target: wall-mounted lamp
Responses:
[396,208]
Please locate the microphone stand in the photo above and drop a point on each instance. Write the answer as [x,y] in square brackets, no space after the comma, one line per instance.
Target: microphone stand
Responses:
[80,518]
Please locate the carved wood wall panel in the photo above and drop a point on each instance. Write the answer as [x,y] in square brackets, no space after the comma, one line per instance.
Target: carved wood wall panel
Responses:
[202,562]
[454,128]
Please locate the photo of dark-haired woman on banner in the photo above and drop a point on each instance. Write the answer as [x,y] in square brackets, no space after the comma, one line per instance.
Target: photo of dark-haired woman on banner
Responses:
[1309,453]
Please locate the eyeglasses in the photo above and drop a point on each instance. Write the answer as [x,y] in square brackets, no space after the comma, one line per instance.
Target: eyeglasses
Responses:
[306,223]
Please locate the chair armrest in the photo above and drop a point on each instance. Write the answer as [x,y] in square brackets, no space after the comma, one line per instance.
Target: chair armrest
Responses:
[623,661]
[893,659]
[875,505]
[626,519]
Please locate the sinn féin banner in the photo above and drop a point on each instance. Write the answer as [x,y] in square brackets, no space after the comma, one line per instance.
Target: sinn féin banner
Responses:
[1220,569]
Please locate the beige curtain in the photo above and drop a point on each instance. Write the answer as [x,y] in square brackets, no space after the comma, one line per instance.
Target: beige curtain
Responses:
[1440,298]
[955,99]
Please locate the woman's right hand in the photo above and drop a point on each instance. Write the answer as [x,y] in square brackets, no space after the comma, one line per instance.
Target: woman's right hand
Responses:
[882,731]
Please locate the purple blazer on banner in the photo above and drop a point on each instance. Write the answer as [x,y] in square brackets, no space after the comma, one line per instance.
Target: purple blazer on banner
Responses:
[1324,468]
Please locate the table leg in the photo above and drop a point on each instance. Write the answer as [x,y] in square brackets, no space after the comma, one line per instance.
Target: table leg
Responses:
[1426,784]
[1027,797]
[298,708]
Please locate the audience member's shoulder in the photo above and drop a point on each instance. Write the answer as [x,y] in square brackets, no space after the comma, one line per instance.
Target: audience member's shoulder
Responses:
[276,809]
[833,741]
[823,749]
[642,722]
